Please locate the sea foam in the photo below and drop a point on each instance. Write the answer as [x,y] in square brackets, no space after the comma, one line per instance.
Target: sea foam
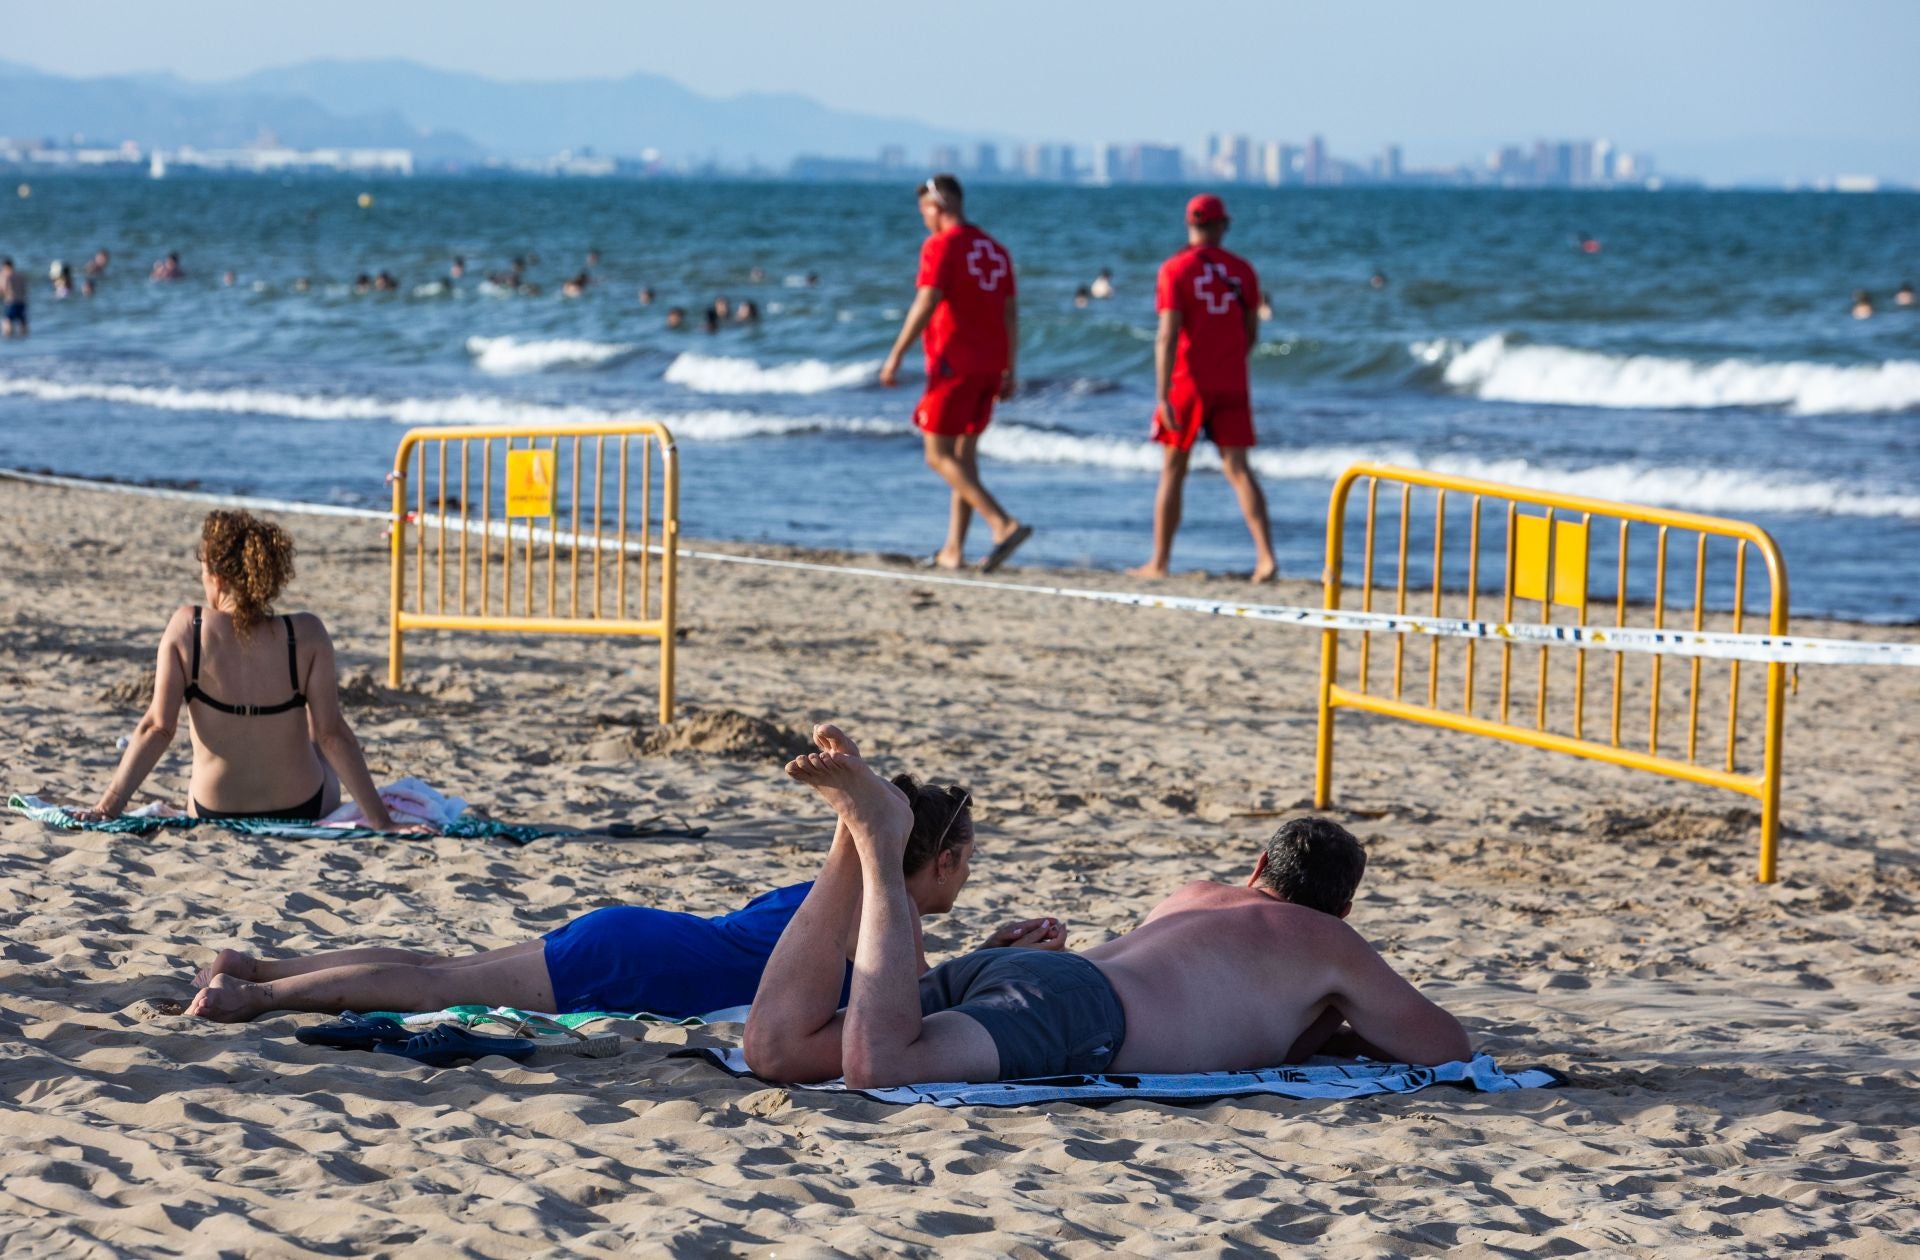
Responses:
[1499,369]
[719,374]
[510,356]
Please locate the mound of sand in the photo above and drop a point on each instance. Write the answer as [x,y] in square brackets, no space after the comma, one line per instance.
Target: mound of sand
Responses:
[725,733]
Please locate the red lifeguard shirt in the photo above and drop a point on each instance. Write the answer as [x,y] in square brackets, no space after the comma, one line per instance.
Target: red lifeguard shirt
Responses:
[1214,291]
[967,335]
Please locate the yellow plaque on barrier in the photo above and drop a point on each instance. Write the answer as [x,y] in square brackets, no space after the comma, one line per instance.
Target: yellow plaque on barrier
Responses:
[530,479]
[1570,564]
[1532,545]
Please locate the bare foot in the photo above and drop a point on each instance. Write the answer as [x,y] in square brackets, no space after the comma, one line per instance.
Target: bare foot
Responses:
[228,962]
[1262,574]
[1154,571]
[831,739]
[944,559]
[876,813]
[230,1000]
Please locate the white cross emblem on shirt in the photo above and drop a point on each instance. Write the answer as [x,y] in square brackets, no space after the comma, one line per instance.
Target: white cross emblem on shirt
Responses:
[986,263]
[1214,287]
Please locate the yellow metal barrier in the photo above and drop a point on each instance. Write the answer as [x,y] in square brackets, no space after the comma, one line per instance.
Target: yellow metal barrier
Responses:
[537,503]
[1546,563]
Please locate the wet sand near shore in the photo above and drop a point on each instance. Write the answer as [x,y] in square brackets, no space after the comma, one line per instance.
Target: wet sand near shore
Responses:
[1742,1057]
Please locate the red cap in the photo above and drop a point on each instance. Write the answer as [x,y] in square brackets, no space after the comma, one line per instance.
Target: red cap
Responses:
[1206,208]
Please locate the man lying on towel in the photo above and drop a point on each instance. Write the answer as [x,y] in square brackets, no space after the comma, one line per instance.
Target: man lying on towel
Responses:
[623,958]
[1217,978]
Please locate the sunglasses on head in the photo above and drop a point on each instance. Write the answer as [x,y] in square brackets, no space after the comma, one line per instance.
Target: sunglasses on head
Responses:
[928,190]
[966,799]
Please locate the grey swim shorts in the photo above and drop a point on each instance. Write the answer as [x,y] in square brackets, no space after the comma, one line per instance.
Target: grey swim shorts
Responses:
[1049,1014]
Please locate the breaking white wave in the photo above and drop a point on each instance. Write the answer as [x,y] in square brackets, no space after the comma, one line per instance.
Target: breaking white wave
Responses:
[1497,369]
[698,426]
[509,356]
[1729,491]
[717,374]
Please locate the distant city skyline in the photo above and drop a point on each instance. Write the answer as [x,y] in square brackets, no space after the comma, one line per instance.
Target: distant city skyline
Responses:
[1727,89]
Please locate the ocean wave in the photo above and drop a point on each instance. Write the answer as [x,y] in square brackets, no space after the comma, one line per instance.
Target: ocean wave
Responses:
[697,426]
[510,356]
[1499,369]
[718,374]
[1678,486]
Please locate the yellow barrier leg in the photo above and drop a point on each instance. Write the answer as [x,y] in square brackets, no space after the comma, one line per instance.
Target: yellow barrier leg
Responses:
[1323,755]
[397,591]
[1770,771]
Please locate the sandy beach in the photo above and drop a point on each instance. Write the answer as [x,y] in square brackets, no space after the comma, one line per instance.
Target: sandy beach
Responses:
[1742,1058]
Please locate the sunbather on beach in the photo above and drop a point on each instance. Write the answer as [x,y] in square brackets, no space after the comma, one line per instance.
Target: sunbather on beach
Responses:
[623,958]
[1216,978]
[269,739]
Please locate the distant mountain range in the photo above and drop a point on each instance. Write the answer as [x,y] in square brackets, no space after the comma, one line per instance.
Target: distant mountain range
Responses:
[446,116]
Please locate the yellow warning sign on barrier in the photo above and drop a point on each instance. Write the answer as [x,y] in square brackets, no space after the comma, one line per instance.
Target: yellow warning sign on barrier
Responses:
[530,483]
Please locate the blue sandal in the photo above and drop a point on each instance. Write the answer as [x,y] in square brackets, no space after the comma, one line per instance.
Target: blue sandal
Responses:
[447,1044]
[355,1032]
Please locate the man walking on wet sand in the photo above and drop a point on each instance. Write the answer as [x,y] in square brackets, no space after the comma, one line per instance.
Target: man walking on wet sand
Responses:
[964,303]
[1218,978]
[1209,303]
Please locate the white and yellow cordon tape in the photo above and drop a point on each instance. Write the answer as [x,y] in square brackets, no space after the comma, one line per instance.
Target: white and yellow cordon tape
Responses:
[1789,649]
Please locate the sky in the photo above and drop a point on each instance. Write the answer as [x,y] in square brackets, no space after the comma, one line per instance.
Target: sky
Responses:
[1722,88]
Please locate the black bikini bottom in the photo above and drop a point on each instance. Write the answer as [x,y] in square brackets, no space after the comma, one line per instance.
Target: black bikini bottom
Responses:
[307,811]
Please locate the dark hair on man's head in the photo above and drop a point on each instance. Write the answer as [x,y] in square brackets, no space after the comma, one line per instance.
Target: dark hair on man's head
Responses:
[942,821]
[945,189]
[1314,862]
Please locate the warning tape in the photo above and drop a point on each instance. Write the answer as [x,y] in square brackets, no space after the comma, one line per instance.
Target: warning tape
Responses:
[1788,649]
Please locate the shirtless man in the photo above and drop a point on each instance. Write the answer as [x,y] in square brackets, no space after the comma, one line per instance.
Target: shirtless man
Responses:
[1217,978]
[13,301]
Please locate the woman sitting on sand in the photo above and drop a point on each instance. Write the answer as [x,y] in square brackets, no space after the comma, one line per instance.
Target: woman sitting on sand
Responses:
[620,958]
[269,740]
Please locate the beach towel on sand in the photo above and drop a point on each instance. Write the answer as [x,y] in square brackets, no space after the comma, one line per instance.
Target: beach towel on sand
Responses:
[1317,1078]
[472,1016]
[410,801]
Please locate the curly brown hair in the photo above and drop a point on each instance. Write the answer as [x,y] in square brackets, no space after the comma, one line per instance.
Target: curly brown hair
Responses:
[253,560]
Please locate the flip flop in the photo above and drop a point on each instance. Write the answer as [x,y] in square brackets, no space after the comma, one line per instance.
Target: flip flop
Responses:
[1003,550]
[447,1044]
[552,1035]
[355,1032]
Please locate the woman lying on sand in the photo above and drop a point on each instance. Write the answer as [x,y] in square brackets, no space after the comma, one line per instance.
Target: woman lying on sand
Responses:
[620,958]
[269,740]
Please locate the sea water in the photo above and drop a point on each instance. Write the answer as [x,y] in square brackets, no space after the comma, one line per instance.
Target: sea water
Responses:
[1704,358]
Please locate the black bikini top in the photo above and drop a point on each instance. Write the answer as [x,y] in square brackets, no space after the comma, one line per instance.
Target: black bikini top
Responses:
[299,700]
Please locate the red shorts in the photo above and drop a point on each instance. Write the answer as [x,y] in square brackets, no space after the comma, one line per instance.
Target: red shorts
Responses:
[1227,419]
[956,406]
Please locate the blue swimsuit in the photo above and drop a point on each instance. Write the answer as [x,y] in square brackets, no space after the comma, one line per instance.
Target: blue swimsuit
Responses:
[666,962]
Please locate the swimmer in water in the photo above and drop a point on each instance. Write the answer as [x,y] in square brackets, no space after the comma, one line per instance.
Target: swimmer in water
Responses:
[676,319]
[13,301]
[458,269]
[1588,245]
[593,258]
[97,266]
[711,321]
[646,295]
[228,279]
[1862,304]
[721,308]
[301,284]
[1082,298]
[1903,296]
[86,287]
[363,283]
[385,282]
[576,287]
[1378,280]
[168,268]
[61,277]
[1102,287]
[748,312]
[757,275]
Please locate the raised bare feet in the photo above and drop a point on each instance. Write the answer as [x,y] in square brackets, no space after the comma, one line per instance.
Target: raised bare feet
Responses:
[230,1000]
[876,813]
[228,962]
[829,738]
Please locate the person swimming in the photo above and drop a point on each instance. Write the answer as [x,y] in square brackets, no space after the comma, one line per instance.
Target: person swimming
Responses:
[1903,296]
[748,312]
[1082,298]
[677,318]
[618,958]
[1862,304]
[1102,287]
[167,269]
[261,690]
